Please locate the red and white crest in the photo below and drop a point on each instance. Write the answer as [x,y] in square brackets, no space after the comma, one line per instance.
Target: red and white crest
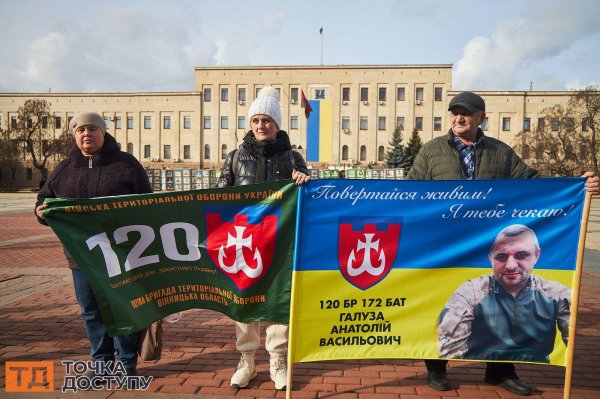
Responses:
[366,256]
[241,250]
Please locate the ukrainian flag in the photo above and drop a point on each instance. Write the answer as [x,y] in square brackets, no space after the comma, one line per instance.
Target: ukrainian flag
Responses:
[320,132]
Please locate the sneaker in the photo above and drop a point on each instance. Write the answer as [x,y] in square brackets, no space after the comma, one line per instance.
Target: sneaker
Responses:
[279,371]
[246,371]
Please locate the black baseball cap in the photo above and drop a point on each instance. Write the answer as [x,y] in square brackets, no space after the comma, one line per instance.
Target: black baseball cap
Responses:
[468,100]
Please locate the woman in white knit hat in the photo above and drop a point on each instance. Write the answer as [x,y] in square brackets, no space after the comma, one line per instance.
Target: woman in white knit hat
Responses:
[265,155]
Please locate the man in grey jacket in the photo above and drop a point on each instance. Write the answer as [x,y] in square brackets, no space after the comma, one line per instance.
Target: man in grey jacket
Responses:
[510,314]
[467,153]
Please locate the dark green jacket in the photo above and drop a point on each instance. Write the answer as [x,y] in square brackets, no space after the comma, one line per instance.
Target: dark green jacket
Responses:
[439,160]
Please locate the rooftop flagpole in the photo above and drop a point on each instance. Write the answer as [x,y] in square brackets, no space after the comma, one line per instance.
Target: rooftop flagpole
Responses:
[321,33]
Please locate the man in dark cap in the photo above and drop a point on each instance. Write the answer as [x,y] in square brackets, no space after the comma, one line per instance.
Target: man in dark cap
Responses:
[466,153]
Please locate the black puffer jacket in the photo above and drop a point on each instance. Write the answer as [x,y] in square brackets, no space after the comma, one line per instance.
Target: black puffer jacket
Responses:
[109,172]
[278,166]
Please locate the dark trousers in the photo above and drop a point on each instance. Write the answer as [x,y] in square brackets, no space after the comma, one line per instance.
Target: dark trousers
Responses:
[494,371]
[103,347]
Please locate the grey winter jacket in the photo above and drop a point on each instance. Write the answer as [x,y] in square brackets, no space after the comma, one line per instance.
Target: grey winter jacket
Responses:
[439,159]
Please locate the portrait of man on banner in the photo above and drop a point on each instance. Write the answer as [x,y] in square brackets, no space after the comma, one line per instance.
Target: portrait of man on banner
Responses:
[510,314]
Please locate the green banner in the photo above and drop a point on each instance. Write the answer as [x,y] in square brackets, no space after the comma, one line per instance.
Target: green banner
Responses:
[147,256]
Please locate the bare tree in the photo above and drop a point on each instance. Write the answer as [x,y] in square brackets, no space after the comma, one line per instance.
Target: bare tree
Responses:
[31,136]
[586,102]
[556,144]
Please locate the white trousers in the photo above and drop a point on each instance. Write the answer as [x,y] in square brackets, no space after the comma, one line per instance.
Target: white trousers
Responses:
[248,337]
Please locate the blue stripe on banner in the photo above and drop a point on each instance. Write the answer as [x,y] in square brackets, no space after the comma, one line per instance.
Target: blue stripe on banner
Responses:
[312,132]
[444,224]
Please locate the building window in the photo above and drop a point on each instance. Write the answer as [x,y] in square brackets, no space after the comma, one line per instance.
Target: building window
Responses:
[419,94]
[44,146]
[241,94]
[381,153]
[437,123]
[207,95]
[526,124]
[364,123]
[344,153]
[130,122]
[484,124]
[569,124]
[294,122]
[400,94]
[382,94]
[187,122]
[585,122]
[224,151]
[381,123]
[294,94]
[541,124]
[147,122]
[30,123]
[167,151]
[166,122]
[224,122]
[363,153]
[437,94]
[187,151]
[364,94]
[117,122]
[241,124]
[400,122]
[207,122]
[345,94]
[256,91]
[13,122]
[224,94]
[506,123]
[44,122]
[555,124]
[345,122]
[207,151]
[107,122]
[69,119]
[419,123]
[130,148]
[57,122]
[147,151]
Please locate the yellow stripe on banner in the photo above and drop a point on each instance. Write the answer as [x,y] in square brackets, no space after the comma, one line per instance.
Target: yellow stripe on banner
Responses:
[326,131]
[331,316]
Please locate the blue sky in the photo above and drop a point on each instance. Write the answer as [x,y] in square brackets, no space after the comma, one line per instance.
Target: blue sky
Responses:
[151,45]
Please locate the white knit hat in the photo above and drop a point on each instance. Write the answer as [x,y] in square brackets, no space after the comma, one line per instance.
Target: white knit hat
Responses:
[266,104]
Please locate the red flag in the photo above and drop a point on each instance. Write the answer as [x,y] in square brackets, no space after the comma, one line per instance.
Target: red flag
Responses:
[305,104]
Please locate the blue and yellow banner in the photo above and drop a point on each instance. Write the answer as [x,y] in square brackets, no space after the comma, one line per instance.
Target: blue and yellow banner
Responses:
[320,132]
[445,269]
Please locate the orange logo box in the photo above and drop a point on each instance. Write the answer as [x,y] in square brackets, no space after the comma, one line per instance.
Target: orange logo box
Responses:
[29,376]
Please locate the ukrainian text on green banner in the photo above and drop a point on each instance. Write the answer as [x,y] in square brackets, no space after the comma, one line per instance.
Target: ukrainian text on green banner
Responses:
[147,256]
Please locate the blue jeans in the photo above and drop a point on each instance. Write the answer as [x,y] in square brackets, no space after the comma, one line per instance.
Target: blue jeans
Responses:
[103,346]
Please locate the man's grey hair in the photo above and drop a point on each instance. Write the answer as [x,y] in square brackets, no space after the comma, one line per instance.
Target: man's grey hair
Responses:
[515,230]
